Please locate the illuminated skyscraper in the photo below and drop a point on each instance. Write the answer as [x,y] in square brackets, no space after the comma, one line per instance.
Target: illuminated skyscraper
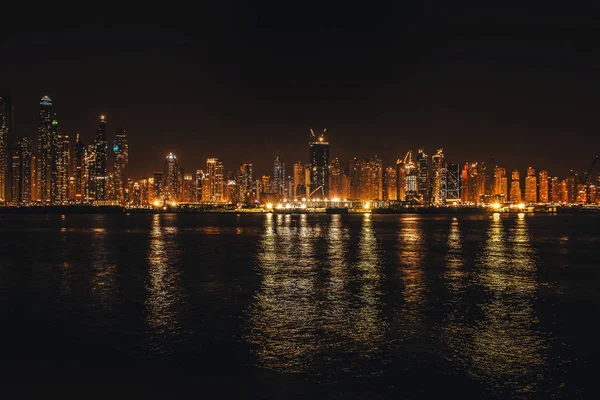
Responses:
[335,178]
[45,141]
[78,172]
[90,174]
[400,180]
[571,187]
[515,187]
[439,178]
[245,183]
[355,170]
[500,191]
[319,163]
[171,178]
[411,177]
[543,189]
[279,182]
[188,191]
[390,182]
[374,179]
[120,161]
[555,190]
[531,186]
[14,197]
[299,180]
[423,175]
[101,152]
[35,194]
[453,184]
[214,168]
[60,165]
[6,112]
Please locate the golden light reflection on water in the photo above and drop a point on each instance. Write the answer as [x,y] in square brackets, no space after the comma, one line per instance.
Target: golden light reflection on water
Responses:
[506,351]
[410,242]
[454,273]
[164,298]
[103,272]
[297,322]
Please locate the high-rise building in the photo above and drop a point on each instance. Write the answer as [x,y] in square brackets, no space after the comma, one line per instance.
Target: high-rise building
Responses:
[500,191]
[78,172]
[572,179]
[411,178]
[531,186]
[6,114]
[45,141]
[335,178]
[374,179]
[245,183]
[473,178]
[279,181]
[423,176]
[101,156]
[61,156]
[120,161]
[35,194]
[14,197]
[555,190]
[453,184]
[440,178]
[355,170]
[214,168]
[543,189]
[90,173]
[159,187]
[515,187]
[299,180]
[171,178]
[564,191]
[400,180]
[390,182]
[319,163]
[188,188]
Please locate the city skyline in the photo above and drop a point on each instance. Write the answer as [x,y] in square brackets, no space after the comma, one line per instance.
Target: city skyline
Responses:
[68,173]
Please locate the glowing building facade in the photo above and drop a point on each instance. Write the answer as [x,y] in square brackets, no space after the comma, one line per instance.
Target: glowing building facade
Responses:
[531,186]
[543,187]
[120,161]
[319,167]
[45,150]
[214,169]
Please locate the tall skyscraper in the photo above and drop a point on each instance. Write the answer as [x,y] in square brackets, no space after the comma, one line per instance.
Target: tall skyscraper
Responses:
[572,187]
[355,171]
[423,175]
[120,161]
[245,183]
[543,187]
[439,178]
[299,180]
[90,174]
[373,179]
[45,152]
[400,180]
[335,178]
[214,168]
[319,163]
[35,194]
[515,187]
[6,118]
[453,184]
[279,183]
[61,154]
[171,178]
[14,197]
[78,172]
[555,190]
[390,181]
[411,178]
[187,189]
[531,186]
[500,191]
[101,156]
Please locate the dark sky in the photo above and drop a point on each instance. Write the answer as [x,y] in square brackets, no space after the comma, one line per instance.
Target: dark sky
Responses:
[242,80]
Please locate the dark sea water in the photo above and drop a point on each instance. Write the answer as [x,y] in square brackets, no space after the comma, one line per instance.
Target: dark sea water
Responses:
[309,306]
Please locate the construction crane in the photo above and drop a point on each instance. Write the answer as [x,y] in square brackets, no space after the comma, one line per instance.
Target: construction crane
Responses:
[312,133]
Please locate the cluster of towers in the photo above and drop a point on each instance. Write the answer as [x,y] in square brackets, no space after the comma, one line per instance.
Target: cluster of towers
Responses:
[59,173]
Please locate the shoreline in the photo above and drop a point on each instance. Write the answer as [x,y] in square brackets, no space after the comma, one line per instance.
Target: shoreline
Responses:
[425,211]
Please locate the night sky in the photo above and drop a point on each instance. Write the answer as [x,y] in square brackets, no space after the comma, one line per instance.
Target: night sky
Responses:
[243,80]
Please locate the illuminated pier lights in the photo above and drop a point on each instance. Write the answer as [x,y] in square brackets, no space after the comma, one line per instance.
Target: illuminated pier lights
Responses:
[318,204]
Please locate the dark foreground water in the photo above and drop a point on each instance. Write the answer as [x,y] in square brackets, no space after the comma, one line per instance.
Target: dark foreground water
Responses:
[310,306]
